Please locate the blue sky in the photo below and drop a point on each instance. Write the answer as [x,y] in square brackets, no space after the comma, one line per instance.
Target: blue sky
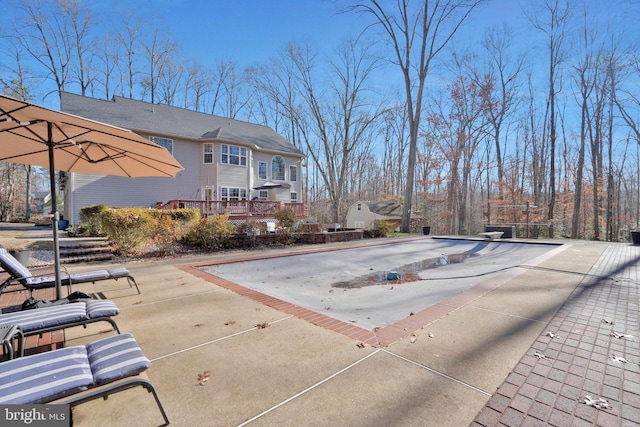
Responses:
[251,31]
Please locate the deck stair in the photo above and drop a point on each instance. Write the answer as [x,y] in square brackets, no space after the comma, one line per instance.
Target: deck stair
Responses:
[85,251]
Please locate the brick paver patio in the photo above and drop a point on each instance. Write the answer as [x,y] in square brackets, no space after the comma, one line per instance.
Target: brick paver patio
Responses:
[590,350]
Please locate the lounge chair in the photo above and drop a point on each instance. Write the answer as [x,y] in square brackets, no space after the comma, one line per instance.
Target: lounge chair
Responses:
[75,375]
[20,274]
[57,317]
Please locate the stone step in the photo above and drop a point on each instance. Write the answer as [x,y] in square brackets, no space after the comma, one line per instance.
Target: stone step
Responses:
[86,251]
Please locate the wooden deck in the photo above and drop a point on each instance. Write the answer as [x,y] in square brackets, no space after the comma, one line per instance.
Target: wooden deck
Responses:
[237,209]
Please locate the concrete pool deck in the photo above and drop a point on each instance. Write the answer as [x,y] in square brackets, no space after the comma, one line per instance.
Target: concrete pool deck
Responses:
[467,359]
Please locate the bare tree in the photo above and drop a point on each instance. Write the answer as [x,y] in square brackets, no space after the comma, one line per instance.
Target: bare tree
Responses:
[110,59]
[552,19]
[129,40]
[84,46]
[45,35]
[417,35]
[158,52]
[197,83]
[170,79]
[338,123]
[501,84]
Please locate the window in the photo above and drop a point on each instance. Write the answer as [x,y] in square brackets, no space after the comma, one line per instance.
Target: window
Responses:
[293,173]
[163,142]
[263,195]
[277,168]
[233,155]
[262,170]
[294,197]
[207,150]
[229,193]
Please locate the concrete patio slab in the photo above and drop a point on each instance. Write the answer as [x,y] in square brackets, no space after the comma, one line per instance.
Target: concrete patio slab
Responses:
[478,367]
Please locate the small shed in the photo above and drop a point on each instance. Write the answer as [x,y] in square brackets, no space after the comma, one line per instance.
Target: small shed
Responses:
[363,215]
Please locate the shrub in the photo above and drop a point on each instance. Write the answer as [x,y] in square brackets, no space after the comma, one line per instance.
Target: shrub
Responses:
[383,228]
[251,228]
[127,228]
[169,227]
[91,220]
[286,220]
[212,233]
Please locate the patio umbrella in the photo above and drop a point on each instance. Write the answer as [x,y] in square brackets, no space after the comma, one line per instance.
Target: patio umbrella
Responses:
[268,185]
[34,135]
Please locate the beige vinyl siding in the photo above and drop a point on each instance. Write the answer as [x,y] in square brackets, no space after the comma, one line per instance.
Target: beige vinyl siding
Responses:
[142,192]
[233,176]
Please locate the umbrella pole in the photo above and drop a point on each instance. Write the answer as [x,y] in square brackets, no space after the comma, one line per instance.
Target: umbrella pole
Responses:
[55,215]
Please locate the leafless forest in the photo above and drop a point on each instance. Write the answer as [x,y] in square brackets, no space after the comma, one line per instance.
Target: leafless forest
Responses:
[534,126]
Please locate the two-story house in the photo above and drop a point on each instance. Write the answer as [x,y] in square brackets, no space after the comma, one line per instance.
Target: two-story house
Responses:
[229,165]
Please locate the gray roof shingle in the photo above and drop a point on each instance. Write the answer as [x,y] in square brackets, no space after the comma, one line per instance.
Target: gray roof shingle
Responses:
[173,121]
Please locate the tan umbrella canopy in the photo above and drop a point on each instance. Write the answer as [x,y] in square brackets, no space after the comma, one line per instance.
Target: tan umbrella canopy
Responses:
[34,135]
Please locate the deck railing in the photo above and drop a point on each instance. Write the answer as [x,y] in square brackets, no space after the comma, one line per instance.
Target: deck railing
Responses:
[235,208]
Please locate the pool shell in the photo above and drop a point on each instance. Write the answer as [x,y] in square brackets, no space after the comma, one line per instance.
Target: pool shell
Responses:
[300,283]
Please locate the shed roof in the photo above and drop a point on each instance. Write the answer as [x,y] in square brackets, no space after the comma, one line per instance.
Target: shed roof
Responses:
[178,122]
[385,208]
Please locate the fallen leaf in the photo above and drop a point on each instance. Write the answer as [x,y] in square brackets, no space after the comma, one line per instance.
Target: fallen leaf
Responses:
[617,359]
[624,336]
[203,377]
[598,403]
[541,356]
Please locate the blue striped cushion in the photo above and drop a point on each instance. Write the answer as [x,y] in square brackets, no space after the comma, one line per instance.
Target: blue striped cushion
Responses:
[46,317]
[89,276]
[14,267]
[41,282]
[100,308]
[116,273]
[116,357]
[45,376]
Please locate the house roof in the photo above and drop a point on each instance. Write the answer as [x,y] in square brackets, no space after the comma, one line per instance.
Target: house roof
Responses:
[389,209]
[178,122]
[385,208]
